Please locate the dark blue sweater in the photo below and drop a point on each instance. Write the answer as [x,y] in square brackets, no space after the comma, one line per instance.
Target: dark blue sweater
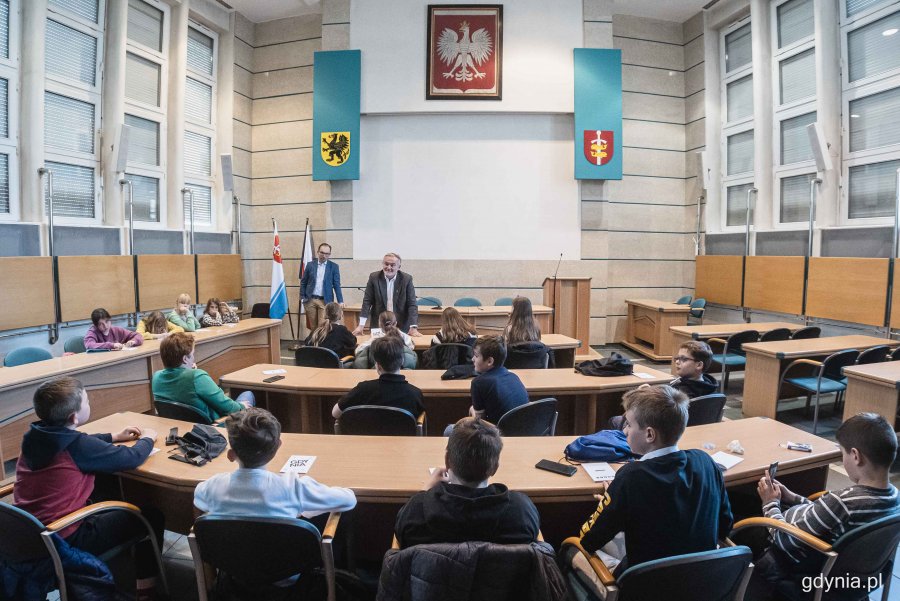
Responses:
[497,391]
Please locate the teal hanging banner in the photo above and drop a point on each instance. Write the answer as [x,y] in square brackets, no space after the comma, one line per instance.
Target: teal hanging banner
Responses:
[335,144]
[598,113]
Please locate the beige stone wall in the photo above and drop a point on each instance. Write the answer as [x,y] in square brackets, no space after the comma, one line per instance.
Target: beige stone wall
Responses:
[636,238]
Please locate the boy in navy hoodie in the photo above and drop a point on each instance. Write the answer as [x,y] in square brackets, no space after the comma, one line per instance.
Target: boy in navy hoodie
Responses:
[691,362]
[55,474]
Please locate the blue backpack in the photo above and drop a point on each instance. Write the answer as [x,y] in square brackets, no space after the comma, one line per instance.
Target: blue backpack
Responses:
[605,445]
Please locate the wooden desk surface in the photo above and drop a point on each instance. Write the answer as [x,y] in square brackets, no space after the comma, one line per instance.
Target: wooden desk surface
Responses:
[887,373]
[787,349]
[315,380]
[727,329]
[554,341]
[658,305]
[467,311]
[392,468]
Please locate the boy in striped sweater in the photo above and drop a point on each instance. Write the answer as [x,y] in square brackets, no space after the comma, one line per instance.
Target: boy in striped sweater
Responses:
[868,448]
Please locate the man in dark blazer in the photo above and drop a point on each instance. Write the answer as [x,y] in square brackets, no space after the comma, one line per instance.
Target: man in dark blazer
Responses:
[402,299]
[320,284]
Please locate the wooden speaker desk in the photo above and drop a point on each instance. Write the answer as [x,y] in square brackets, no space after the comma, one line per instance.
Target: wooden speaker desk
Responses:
[486,319]
[647,328]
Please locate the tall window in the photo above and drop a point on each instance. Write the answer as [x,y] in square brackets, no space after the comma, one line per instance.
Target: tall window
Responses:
[737,121]
[72,106]
[870,43]
[146,77]
[199,130]
[9,65]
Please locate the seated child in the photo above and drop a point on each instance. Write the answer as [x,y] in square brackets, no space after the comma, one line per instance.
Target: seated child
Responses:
[687,484]
[868,448]
[691,363]
[391,388]
[155,325]
[55,474]
[254,437]
[228,314]
[182,315]
[454,329]
[104,335]
[332,334]
[387,324]
[211,316]
[459,505]
[495,390]
[182,382]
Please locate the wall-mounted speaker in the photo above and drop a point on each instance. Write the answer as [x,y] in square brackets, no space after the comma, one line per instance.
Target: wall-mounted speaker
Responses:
[702,170]
[121,149]
[227,174]
[819,146]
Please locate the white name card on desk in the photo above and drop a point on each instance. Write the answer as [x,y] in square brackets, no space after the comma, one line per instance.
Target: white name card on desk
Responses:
[726,460]
[298,464]
[599,472]
[270,372]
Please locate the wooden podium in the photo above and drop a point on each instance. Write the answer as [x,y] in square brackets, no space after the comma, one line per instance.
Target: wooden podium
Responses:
[570,299]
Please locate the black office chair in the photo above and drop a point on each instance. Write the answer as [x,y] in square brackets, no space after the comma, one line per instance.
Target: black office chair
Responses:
[806,333]
[776,335]
[260,310]
[528,355]
[537,418]
[249,554]
[895,354]
[706,409]
[732,355]
[317,356]
[25,539]
[827,376]
[374,420]
[875,354]
[447,355]
[180,411]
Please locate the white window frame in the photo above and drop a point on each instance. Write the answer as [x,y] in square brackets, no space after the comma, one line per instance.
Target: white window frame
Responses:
[737,180]
[845,189]
[793,47]
[845,20]
[792,170]
[856,94]
[9,70]
[205,129]
[858,23]
[154,113]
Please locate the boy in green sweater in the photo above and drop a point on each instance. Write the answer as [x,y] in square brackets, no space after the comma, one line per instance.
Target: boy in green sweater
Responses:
[182,382]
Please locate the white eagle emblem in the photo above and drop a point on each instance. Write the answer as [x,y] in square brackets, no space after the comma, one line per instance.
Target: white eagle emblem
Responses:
[463,52]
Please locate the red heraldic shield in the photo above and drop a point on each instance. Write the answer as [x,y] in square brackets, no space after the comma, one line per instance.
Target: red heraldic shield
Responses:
[598,146]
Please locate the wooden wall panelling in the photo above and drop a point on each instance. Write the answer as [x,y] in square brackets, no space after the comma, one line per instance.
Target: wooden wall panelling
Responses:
[26,292]
[219,276]
[161,278]
[847,289]
[719,279]
[774,284]
[88,282]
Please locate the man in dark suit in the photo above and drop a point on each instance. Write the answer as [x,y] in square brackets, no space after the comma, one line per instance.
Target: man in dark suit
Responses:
[390,290]
[320,284]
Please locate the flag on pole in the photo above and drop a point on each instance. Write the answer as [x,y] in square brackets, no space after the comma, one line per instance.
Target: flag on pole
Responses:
[278,303]
[307,257]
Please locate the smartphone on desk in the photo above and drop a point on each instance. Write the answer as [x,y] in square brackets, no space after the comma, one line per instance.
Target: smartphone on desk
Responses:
[273,379]
[556,467]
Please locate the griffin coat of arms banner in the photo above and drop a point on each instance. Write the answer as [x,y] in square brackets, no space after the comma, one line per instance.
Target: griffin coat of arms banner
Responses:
[465,55]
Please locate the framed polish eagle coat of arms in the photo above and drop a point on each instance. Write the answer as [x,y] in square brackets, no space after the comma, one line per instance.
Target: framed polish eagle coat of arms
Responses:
[465,52]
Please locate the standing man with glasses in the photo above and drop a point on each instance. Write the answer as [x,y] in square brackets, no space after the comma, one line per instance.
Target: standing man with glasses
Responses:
[390,290]
[320,285]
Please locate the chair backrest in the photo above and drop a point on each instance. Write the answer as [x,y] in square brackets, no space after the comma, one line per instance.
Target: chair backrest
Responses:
[504,301]
[807,332]
[697,307]
[25,354]
[706,409]
[532,357]
[75,344]
[317,356]
[269,549]
[735,342]
[834,364]
[374,420]
[895,354]
[875,354]
[467,301]
[716,575]
[867,549]
[429,301]
[537,418]
[21,540]
[776,334]
[260,310]
[176,410]
[447,355]
[684,300]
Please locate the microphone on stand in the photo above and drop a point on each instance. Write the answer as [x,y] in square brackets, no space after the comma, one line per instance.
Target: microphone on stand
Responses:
[557,266]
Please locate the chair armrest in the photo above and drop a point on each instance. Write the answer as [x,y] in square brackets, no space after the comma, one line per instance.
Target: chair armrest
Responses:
[603,574]
[721,341]
[85,512]
[395,544]
[816,495]
[801,535]
[421,419]
[7,489]
[812,362]
[331,525]
[540,536]
[348,358]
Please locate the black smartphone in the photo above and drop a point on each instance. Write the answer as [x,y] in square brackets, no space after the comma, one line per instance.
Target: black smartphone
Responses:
[170,439]
[773,469]
[556,467]
[273,379]
[198,461]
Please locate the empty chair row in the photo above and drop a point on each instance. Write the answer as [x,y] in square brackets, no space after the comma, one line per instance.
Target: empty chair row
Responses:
[466,301]
[529,355]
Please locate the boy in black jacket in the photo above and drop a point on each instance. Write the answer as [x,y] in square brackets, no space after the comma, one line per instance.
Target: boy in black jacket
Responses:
[459,505]
[691,362]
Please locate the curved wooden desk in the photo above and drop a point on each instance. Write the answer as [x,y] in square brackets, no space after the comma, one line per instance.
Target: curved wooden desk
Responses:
[120,380]
[483,318]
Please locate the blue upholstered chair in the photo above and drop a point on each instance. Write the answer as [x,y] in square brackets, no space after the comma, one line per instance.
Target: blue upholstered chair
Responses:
[732,356]
[429,301]
[467,301]
[504,301]
[26,354]
[684,300]
[826,377]
[775,335]
[698,307]
[75,344]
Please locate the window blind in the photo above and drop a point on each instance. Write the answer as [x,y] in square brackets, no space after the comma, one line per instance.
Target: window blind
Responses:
[86,9]
[795,22]
[740,98]
[870,52]
[73,190]
[857,6]
[143,140]
[70,53]
[740,153]
[798,76]
[202,205]
[737,48]
[737,205]
[145,24]
[4,28]
[795,146]
[4,108]
[197,154]
[873,190]
[142,79]
[795,198]
[4,183]
[875,120]
[198,101]
[68,124]
[146,197]
[199,52]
